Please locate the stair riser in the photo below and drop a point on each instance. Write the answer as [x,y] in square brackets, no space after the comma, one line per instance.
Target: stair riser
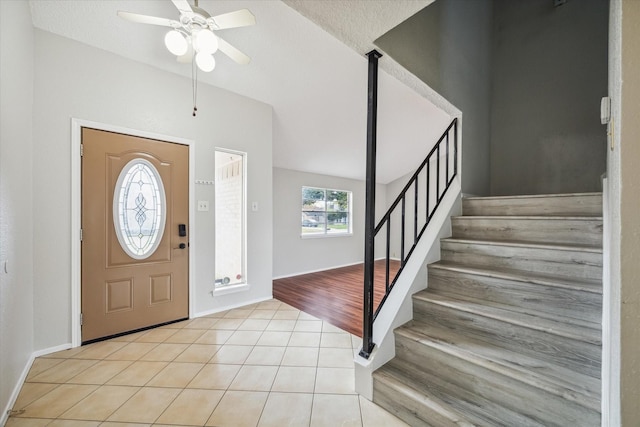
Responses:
[556,380]
[408,410]
[574,264]
[530,401]
[570,353]
[580,205]
[571,303]
[464,401]
[571,231]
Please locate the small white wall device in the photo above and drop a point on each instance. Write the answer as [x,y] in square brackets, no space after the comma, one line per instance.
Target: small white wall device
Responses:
[605,110]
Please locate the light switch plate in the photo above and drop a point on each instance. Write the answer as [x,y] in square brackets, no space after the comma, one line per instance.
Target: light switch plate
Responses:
[203,205]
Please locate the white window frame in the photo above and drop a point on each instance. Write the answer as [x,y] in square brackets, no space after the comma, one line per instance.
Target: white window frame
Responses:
[325,234]
[220,288]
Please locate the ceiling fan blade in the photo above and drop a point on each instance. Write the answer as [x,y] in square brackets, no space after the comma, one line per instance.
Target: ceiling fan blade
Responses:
[239,18]
[183,6]
[232,52]
[145,19]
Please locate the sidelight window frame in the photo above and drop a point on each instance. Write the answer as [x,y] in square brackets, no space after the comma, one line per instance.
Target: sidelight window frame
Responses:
[234,283]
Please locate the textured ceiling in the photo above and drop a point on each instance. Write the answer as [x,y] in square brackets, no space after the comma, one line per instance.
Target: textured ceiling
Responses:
[358,23]
[307,62]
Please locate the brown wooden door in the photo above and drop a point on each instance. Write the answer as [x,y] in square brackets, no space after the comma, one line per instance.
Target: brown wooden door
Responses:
[134,272]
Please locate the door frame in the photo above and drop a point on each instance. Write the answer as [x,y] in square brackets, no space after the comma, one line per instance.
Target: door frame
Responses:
[76,212]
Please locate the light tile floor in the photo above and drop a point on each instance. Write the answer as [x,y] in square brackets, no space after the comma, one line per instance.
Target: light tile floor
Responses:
[267,364]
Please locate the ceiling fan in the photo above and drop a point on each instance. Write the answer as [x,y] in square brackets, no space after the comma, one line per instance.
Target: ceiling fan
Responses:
[193,33]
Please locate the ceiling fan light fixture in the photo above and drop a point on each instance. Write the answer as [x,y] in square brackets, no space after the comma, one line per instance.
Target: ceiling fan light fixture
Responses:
[176,43]
[205,61]
[205,41]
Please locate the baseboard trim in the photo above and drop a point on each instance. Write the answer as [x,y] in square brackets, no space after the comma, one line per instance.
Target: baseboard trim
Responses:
[232,289]
[315,271]
[50,350]
[324,269]
[230,307]
[4,417]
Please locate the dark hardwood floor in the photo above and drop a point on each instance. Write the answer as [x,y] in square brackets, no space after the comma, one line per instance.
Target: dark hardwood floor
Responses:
[333,295]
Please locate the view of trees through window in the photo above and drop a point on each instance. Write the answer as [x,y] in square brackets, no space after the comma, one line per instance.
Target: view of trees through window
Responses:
[325,211]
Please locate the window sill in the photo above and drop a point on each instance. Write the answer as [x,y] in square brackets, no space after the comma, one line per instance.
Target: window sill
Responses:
[323,236]
[224,290]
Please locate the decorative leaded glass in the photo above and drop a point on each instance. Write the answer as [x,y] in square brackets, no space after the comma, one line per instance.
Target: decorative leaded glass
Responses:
[139,212]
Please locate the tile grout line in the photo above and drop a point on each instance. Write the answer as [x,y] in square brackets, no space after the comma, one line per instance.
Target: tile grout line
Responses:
[324,333]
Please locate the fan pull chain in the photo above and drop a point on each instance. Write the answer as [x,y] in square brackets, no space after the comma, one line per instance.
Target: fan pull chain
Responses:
[194,83]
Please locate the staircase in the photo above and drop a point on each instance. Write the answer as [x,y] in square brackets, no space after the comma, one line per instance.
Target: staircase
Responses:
[508,332]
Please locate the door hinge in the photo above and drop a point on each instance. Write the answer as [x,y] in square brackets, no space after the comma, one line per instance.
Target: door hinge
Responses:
[81,319]
[81,150]
[81,234]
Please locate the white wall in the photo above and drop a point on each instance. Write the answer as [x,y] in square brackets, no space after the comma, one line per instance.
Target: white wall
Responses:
[611,235]
[294,255]
[16,196]
[393,190]
[629,218]
[623,250]
[75,80]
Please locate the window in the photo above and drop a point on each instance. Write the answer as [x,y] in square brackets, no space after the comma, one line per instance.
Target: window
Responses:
[325,212]
[139,209]
[230,232]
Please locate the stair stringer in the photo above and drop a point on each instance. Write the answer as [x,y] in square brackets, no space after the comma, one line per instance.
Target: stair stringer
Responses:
[398,307]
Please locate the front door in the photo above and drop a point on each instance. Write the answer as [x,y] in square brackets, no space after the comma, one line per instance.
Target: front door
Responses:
[135,250]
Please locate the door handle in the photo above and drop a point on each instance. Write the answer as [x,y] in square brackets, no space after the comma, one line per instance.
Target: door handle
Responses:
[181,246]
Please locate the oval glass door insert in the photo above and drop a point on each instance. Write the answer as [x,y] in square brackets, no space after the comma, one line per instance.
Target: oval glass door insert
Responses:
[139,208]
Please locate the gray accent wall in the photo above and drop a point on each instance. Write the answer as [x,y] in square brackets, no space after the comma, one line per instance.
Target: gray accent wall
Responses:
[448,46]
[528,78]
[549,72]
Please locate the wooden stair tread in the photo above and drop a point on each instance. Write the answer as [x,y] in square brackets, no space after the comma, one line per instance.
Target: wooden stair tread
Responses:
[563,230]
[400,385]
[459,407]
[509,330]
[560,326]
[532,196]
[536,245]
[554,379]
[532,217]
[584,285]
[576,204]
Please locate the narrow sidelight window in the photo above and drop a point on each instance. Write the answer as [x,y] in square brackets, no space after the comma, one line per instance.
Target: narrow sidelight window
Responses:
[230,232]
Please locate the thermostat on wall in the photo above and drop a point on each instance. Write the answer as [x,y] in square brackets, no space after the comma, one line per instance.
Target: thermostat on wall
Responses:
[605,110]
